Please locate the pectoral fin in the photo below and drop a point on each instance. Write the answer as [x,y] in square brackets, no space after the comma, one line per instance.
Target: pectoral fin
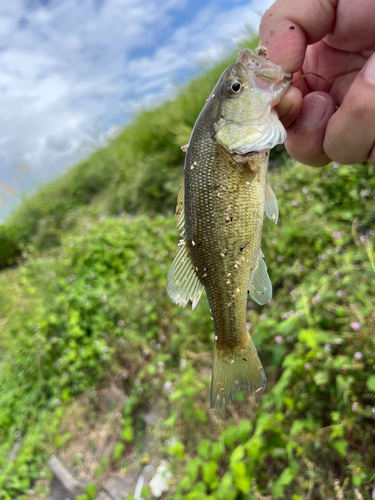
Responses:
[272,210]
[182,281]
[260,287]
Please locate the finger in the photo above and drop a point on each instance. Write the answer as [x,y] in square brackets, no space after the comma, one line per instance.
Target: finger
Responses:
[354,26]
[289,106]
[331,70]
[341,86]
[288,26]
[350,134]
[305,136]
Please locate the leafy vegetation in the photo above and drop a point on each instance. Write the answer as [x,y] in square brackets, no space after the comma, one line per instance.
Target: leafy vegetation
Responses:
[85,319]
[10,249]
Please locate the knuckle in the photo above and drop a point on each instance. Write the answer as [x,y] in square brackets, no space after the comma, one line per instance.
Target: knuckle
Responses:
[334,151]
[358,109]
[307,156]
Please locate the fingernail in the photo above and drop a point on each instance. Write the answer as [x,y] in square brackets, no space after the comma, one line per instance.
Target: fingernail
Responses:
[370,70]
[314,108]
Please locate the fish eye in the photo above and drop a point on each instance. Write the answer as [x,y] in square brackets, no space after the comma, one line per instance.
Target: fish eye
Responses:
[235,87]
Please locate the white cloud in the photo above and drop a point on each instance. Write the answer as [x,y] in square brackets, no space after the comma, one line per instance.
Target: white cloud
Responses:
[67,65]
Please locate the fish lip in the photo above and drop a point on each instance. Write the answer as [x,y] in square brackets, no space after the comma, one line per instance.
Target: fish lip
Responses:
[263,74]
[287,78]
[257,64]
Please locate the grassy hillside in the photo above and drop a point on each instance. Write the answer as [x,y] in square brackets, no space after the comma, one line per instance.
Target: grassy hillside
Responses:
[85,319]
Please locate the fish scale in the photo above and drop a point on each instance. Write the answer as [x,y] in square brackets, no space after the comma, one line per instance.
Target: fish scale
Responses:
[220,210]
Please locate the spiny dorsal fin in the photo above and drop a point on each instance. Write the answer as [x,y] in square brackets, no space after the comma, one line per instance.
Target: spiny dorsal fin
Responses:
[182,281]
[260,287]
[272,210]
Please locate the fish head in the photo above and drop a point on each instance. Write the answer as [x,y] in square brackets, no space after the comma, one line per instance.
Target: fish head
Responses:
[265,77]
[248,92]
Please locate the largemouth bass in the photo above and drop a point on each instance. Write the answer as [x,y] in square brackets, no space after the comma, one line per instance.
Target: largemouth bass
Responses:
[220,210]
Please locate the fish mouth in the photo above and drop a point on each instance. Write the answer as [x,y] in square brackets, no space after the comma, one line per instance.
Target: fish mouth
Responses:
[264,74]
[271,79]
[273,75]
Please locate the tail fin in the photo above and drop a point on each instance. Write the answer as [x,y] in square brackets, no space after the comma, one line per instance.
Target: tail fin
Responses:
[234,370]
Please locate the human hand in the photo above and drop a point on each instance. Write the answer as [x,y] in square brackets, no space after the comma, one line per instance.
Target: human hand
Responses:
[331,118]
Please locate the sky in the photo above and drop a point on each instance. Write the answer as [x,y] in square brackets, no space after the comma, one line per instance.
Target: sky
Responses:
[73,71]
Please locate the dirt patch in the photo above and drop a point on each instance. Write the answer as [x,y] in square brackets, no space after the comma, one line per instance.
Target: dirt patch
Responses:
[94,423]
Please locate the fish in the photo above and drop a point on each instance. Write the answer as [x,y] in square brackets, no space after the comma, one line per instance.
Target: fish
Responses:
[221,204]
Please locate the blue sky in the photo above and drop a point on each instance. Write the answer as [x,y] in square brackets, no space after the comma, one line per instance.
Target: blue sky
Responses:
[72,71]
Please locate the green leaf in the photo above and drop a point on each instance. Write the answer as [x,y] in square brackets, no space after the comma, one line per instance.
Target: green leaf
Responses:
[241,479]
[344,383]
[209,473]
[278,390]
[117,451]
[342,363]
[321,377]
[226,488]
[171,420]
[217,450]
[192,467]
[254,446]
[91,490]
[308,337]
[318,208]
[337,431]
[358,477]
[340,445]
[204,448]
[127,434]
[300,426]
[237,454]
[177,450]
[176,395]
[285,479]
[371,383]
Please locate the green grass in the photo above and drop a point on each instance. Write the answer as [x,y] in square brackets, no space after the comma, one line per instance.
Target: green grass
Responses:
[86,311]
